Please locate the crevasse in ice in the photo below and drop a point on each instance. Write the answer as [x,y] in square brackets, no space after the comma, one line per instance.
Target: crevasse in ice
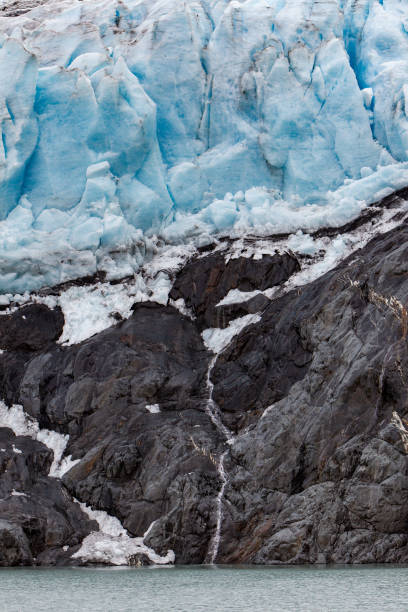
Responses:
[181,118]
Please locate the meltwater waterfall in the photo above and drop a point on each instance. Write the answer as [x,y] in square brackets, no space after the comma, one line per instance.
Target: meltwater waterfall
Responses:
[211,407]
[214,414]
[215,540]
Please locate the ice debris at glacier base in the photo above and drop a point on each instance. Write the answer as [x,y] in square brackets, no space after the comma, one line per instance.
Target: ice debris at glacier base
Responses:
[322,253]
[94,306]
[124,120]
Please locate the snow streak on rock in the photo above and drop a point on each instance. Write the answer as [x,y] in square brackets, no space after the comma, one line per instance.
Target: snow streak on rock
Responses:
[217,339]
[23,425]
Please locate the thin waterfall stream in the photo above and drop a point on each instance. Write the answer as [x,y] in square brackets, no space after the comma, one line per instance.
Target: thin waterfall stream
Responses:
[211,407]
[213,412]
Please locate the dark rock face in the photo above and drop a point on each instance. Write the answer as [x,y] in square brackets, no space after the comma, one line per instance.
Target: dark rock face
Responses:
[14,548]
[31,328]
[323,475]
[315,394]
[261,366]
[139,465]
[156,356]
[38,517]
[135,464]
[205,281]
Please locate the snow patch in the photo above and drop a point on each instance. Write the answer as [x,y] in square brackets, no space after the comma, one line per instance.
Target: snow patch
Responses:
[236,296]
[112,545]
[216,340]
[153,408]
[335,250]
[23,425]
[15,493]
[181,307]
[90,309]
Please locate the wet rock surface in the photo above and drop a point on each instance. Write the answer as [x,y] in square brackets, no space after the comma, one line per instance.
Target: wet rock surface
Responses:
[315,395]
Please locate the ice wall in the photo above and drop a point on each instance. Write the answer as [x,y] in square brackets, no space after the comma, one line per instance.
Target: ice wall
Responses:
[121,120]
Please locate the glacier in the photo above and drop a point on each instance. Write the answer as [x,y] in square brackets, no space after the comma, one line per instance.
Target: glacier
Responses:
[129,125]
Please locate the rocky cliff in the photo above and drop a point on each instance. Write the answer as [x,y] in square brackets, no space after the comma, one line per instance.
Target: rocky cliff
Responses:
[257,417]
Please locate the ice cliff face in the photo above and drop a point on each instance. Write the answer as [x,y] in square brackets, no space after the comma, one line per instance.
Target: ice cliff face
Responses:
[121,121]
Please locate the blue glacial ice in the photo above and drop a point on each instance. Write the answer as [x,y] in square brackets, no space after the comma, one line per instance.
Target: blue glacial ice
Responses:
[130,120]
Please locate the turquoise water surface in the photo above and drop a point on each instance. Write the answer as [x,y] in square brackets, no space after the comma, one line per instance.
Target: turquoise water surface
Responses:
[186,589]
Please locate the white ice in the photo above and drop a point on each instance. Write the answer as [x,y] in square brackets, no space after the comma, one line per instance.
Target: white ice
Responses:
[236,296]
[91,308]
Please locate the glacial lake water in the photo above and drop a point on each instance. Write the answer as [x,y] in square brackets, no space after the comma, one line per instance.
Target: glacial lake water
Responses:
[213,589]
